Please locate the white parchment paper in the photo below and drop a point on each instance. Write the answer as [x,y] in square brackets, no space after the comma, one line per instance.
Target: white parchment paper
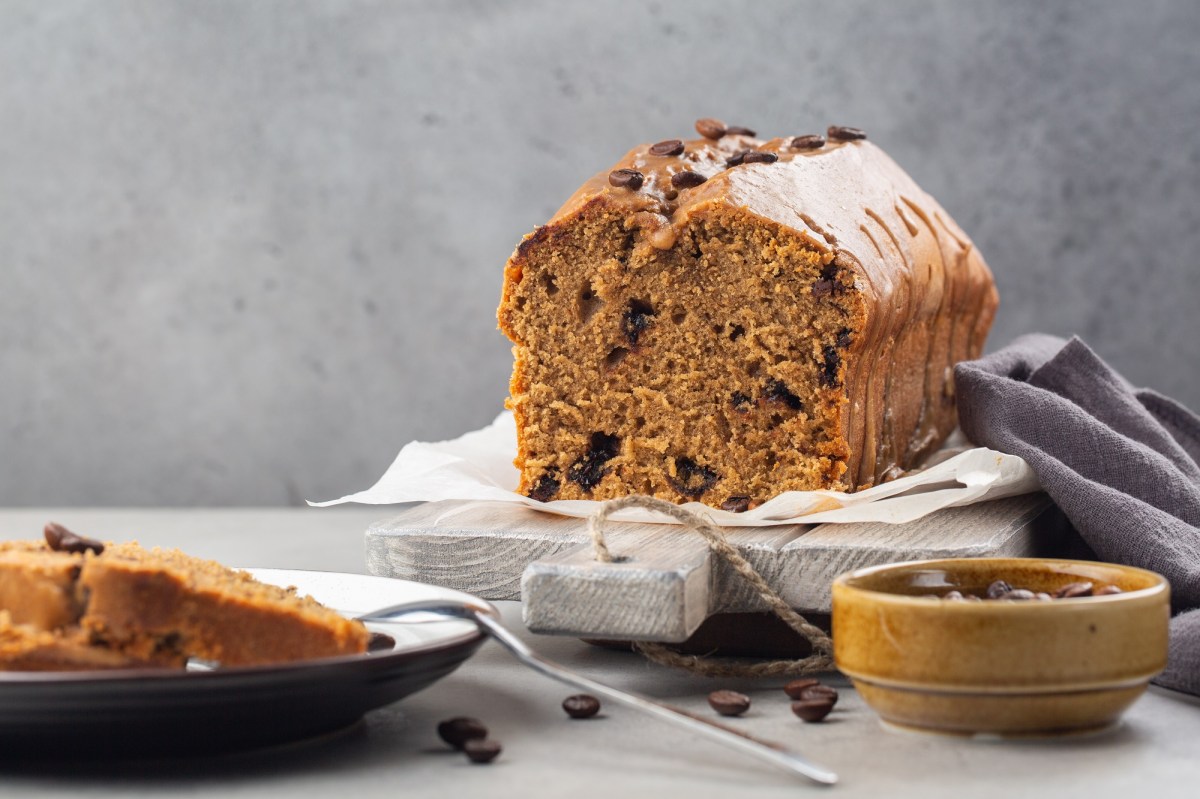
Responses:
[478,466]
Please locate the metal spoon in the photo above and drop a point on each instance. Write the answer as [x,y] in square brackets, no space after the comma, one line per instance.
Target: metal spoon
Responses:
[486,619]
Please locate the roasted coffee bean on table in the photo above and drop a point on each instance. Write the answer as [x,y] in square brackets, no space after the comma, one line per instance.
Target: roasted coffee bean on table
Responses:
[457,731]
[815,709]
[481,750]
[824,692]
[581,706]
[729,703]
[797,687]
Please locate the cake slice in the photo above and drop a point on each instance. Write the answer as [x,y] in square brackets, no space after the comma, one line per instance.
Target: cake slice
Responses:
[728,318]
[72,602]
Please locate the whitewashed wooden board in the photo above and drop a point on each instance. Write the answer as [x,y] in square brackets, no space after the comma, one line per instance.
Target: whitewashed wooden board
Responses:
[667,581]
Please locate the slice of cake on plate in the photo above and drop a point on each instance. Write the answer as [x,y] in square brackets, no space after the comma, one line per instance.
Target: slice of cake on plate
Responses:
[75,603]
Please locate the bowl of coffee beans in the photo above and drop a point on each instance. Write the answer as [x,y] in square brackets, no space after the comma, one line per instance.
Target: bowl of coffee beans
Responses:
[1000,646]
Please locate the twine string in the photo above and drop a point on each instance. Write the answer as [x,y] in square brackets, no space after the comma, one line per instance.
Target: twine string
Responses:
[821,658]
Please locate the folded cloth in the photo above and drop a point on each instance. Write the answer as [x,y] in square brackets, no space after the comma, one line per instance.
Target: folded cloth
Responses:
[1121,462]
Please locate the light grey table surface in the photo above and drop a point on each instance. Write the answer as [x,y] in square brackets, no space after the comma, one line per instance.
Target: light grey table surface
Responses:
[395,752]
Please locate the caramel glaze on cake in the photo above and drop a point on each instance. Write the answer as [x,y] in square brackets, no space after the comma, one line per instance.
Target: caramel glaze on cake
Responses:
[728,318]
[96,605]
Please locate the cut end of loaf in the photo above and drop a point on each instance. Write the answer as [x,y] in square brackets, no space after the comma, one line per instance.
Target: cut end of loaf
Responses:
[712,370]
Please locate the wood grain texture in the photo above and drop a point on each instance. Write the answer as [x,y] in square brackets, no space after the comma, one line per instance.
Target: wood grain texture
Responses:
[666,582]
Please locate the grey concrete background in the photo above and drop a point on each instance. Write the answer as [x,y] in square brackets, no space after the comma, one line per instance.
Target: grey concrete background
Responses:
[250,249]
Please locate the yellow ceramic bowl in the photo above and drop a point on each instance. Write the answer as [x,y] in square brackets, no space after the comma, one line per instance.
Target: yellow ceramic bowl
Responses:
[1004,667]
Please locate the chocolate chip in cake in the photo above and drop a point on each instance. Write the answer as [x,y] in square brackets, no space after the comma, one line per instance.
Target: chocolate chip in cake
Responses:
[687,179]
[736,332]
[60,539]
[626,179]
[842,133]
[736,504]
[581,706]
[738,130]
[729,703]
[830,366]
[589,470]
[810,142]
[615,356]
[822,287]
[710,128]
[777,391]
[546,487]
[668,147]
[760,157]
[843,337]
[457,731]
[638,317]
[740,401]
[691,479]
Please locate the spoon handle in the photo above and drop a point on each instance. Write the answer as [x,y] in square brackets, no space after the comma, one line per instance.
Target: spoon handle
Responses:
[485,617]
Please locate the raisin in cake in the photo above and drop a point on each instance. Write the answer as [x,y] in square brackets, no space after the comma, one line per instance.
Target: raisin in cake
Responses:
[75,603]
[729,318]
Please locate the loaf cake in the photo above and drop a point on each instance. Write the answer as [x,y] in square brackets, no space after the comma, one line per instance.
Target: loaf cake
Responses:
[75,603]
[728,318]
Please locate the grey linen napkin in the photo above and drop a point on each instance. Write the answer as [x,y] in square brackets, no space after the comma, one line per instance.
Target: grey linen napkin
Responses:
[1121,462]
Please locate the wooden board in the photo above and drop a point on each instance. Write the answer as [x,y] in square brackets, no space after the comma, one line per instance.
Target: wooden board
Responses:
[667,582]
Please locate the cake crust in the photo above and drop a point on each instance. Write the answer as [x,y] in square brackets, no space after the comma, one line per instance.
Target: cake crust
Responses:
[854,293]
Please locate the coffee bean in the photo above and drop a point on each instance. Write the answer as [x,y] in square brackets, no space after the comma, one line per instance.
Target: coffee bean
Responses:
[687,179]
[737,158]
[810,142]
[60,539]
[581,706]
[710,128]
[1073,590]
[954,596]
[1018,594]
[998,588]
[811,710]
[824,692]
[1107,590]
[668,147]
[736,504]
[482,751]
[729,703]
[461,729]
[626,179]
[796,688]
[738,130]
[380,642]
[840,133]
[1042,596]
[760,157]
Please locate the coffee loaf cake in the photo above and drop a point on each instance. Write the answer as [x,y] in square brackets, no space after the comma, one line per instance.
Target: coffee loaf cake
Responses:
[728,318]
[73,603]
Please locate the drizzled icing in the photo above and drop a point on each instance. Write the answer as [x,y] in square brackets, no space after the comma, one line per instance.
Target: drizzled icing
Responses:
[928,298]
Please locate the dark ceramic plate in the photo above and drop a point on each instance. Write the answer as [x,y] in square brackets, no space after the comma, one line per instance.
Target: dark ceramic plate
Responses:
[140,712]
